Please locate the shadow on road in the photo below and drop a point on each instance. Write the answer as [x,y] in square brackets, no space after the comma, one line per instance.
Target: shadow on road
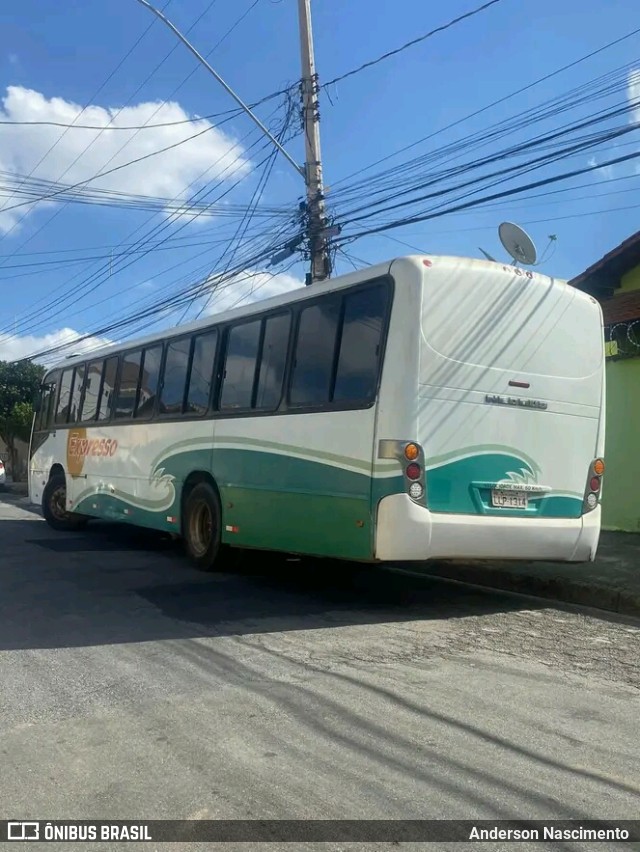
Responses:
[119,584]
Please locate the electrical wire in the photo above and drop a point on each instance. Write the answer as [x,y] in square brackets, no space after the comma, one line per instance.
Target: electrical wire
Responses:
[84,109]
[520,91]
[96,279]
[108,269]
[503,194]
[413,42]
[174,301]
[173,93]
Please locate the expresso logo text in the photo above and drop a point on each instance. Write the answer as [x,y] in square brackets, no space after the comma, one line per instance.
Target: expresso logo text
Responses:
[83,447]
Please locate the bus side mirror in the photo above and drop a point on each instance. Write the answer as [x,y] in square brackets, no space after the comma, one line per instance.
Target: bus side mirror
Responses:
[36,402]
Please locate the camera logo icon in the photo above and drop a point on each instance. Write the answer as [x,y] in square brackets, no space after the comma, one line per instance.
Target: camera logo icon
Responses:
[23,831]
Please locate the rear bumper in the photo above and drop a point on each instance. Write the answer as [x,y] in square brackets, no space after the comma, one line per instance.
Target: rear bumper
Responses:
[406,531]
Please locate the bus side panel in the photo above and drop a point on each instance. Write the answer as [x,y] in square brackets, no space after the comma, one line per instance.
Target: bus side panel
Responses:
[299,483]
[306,493]
[135,473]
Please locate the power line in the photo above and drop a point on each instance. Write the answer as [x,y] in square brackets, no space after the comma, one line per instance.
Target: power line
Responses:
[583,95]
[503,194]
[82,111]
[199,212]
[49,196]
[493,104]
[109,126]
[144,82]
[250,212]
[144,242]
[173,302]
[412,43]
[528,146]
[107,269]
[95,279]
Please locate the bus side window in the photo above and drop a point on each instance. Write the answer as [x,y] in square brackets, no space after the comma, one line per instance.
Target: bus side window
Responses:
[359,358]
[66,384]
[76,396]
[315,353]
[47,401]
[240,365]
[108,388]
[128,385]
[174,378]
[201,375]
[92,391]
[149,379]
[273,358]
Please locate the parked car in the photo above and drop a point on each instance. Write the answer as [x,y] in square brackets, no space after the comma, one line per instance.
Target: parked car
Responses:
[3,475]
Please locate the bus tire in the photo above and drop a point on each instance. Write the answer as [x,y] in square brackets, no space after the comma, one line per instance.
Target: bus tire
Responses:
[201,526]
[54,498]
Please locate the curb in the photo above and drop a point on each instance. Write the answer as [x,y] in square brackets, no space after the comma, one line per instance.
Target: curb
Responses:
[561,589]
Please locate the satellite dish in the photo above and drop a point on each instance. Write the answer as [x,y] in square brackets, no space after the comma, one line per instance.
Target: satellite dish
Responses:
[517,243]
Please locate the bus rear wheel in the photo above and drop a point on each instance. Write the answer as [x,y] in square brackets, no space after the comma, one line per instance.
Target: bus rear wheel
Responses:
[201,526]
[54,506]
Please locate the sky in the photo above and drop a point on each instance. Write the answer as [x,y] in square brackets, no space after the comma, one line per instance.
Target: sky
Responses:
[70,268]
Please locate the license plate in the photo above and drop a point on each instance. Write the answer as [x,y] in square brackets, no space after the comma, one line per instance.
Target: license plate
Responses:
[509,499]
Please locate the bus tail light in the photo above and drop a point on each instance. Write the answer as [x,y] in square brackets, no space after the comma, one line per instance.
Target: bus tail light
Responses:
[411,457]
[413,471]
[416,491]
[594,486]
[411,451]
[412,460]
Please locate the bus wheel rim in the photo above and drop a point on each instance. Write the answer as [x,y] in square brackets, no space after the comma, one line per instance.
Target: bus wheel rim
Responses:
[201,528]
[58,502]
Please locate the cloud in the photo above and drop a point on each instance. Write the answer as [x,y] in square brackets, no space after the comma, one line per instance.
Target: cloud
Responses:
[13,347]
[169,175]
[605,171]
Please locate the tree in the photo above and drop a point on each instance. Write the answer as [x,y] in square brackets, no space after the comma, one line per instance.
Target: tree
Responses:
[19,383]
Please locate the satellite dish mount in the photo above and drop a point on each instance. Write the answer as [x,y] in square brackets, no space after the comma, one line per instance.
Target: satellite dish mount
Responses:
[518,244]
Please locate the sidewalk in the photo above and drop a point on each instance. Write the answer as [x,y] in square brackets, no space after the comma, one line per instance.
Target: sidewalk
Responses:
[611,583]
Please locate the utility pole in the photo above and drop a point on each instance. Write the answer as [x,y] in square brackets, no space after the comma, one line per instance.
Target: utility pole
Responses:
[316,215]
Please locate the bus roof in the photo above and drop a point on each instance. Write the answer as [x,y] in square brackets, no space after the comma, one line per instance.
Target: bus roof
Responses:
[296,295]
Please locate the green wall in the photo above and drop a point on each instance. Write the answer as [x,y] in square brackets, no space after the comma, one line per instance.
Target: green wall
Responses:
[621,494]
[630,281]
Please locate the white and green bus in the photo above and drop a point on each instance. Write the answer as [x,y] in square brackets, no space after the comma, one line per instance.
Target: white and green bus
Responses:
[424,408]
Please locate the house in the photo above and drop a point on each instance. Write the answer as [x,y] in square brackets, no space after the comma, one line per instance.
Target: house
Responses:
[615,281]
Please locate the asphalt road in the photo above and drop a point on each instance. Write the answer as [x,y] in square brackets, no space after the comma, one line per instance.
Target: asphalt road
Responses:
[132,686]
